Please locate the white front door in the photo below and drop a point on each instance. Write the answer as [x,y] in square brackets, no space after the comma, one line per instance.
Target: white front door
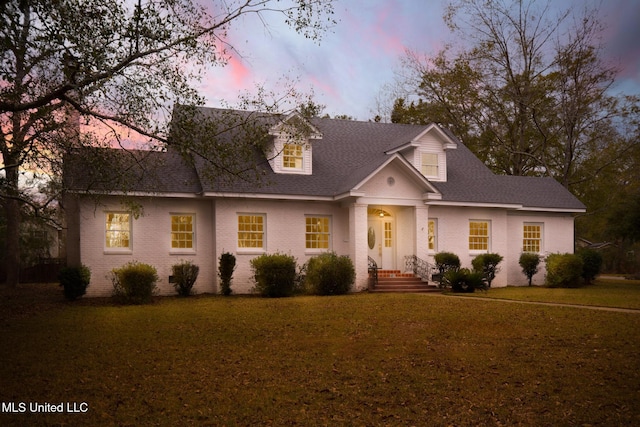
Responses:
[381,237]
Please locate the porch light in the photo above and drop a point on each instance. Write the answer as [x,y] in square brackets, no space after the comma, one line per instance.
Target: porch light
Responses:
[381,214]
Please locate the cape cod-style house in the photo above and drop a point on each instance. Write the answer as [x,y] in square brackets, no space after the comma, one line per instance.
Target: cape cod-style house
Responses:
[384,194]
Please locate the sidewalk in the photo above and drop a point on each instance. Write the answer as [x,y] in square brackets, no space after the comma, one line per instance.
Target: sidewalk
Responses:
[552,304]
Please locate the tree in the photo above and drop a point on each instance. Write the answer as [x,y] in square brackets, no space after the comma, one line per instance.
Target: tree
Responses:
[487,264]
[531,95]
[111,63]
[529,263]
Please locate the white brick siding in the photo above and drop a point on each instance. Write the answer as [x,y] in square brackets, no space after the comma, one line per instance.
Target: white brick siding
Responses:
[150,240]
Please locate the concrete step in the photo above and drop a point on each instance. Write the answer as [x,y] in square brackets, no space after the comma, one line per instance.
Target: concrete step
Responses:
[395,281]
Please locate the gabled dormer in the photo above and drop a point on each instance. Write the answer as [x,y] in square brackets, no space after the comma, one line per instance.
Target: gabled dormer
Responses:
[428,152]
[291,151]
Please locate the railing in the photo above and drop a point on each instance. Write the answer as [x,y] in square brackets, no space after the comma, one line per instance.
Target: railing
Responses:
[419,267]
[373,273]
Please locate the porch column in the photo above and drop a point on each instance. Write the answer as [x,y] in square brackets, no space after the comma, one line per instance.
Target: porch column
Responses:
[422,232]
[358,244]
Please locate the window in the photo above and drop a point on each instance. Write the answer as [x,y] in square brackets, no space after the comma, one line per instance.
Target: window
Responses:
[292,156]
[318,232]
[429,164]
[182,232]
[433,237]
[532,237]
[478,235]
[388,235]
[251,230]
[118,230]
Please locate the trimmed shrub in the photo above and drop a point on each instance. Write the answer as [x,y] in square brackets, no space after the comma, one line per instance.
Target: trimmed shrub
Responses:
[529,263]
[134,283]
[74,281]
[446,261]
[564,271]
[592,263]
[226,267]
[274,275]
[464,280]
[487,265]
[185,275]
[329,274]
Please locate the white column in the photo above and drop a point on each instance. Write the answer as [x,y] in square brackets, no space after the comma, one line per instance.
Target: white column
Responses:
[358,244]
[422,232]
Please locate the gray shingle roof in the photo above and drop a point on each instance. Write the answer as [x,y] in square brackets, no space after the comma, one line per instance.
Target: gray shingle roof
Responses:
[348,152]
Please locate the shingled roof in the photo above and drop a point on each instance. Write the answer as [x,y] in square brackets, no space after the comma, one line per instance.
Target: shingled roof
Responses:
[347,153]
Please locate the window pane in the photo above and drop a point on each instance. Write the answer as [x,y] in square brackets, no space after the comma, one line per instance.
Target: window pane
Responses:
[117,233]
[182,232]
[317,232]
[532,237]
[388,236]
[432,235]
[292,156]
[250,231]
[429,164]
[478,235]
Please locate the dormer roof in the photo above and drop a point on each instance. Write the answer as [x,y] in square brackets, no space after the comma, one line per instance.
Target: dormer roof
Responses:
[296,126]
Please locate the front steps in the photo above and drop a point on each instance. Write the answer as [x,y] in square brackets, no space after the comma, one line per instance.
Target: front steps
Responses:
[395,281]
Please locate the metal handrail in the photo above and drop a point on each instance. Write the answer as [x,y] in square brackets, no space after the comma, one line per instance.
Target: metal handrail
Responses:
[419,267]
[373,272]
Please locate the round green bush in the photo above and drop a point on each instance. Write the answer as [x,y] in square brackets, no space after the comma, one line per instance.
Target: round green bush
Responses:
[226,267]
[564,271]
[274,275]
[329,274]
[185,275]
[134,283]
[74,281]
[487,265]
[529,263]
[592,261]
[446,261]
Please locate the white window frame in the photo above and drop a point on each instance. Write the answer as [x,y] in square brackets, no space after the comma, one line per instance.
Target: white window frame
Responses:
[488,237]
[118,249]
[433,233]
[251,249]
[190,250]
[540,239]
[296,158]
[424,166]
[308,233]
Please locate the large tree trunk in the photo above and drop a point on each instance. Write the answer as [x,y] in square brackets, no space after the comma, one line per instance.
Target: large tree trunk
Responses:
[13,216]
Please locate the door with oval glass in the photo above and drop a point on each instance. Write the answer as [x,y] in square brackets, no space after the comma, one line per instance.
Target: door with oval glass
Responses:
[381,236]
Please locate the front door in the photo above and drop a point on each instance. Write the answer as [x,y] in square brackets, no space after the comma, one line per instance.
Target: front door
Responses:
[381,236]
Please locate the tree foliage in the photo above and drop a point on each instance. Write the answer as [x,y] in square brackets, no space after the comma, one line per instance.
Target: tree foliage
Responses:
[110,64]
[530,96]
[529,262]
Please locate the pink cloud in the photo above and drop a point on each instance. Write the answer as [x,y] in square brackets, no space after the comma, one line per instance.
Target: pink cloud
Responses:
[240,73]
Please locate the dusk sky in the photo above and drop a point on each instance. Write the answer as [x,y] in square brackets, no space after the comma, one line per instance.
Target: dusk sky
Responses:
[355,59]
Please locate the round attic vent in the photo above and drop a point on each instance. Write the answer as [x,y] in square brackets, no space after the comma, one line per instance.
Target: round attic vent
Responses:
[391,180]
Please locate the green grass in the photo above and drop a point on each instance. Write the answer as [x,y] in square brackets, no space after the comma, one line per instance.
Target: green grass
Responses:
[604,292]
[365,359]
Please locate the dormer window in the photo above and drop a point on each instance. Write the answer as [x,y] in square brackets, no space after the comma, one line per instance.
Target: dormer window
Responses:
[292,156]
[291,150]
[429,164]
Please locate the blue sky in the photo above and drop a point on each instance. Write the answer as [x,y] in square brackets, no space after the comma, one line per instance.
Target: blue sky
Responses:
[348,68]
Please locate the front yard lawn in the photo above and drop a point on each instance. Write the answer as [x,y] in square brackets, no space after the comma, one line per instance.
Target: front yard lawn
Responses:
[366,359]
[603,292]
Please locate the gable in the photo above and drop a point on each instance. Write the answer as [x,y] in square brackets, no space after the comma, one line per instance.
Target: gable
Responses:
[427,152]
[395,180]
